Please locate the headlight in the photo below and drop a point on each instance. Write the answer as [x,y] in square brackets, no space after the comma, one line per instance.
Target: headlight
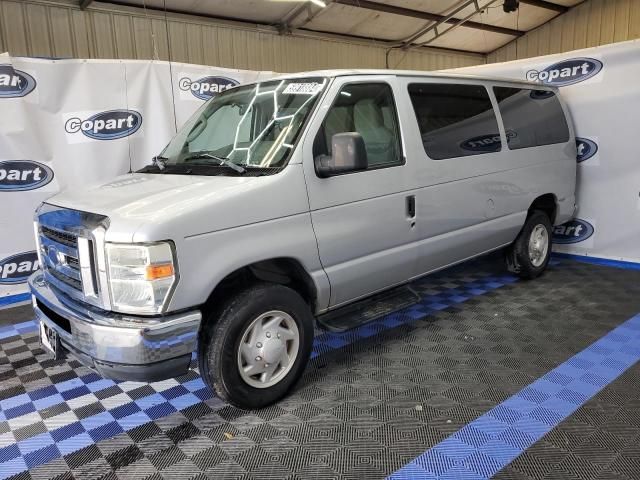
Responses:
[141,277]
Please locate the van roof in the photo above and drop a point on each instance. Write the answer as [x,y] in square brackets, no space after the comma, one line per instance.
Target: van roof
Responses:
[406,73]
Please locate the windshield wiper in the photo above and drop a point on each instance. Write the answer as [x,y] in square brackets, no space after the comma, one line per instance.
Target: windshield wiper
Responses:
[222,161]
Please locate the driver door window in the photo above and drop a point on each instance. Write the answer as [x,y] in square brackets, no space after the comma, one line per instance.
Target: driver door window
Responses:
[368,109]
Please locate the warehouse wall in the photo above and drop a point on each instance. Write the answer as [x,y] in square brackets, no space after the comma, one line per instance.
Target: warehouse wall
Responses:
[60,29]
[590,24]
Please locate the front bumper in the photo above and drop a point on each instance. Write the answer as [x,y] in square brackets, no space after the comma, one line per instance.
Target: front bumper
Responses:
[114,344]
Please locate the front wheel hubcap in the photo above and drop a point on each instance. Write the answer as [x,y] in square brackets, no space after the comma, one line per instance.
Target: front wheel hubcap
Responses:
[538,245]
[268,349]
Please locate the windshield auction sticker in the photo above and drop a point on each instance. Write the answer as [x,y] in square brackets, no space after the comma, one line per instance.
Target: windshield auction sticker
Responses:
[310,88]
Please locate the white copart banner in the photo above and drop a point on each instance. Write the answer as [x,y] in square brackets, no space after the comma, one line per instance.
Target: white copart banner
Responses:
[601,87]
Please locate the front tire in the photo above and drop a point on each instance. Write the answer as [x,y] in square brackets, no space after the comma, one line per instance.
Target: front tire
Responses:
[254,348]
[528,256]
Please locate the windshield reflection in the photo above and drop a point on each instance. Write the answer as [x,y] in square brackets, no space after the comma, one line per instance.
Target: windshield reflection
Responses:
[249,127]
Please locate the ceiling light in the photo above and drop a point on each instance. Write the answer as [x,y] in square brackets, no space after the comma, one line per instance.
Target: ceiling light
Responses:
[319,3]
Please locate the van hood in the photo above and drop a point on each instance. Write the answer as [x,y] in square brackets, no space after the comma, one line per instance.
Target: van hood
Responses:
[138,192]
[148,207]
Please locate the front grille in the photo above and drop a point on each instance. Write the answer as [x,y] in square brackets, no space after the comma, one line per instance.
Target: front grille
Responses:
[63,238]
[73,262]
[68,241]
[72,282]
[60,252]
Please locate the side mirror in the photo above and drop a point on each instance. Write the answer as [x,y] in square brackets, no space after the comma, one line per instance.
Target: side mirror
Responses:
[349,155]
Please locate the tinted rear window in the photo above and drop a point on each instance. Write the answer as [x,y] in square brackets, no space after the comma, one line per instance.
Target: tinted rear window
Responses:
[531,117]
[455,120]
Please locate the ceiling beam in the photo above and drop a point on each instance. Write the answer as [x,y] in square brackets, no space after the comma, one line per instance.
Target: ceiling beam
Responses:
[386,43]
[542,24]
[547,5]
[439,33]
[319,34]
[85,3]
[407,12]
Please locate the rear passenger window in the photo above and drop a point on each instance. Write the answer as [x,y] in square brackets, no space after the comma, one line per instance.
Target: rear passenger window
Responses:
[455,120]
[369,109]
[531,117]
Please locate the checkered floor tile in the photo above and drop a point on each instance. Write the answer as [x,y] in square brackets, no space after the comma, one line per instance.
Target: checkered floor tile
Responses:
[371,400]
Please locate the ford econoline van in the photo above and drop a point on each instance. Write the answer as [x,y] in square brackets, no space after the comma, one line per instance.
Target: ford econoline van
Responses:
[287,202]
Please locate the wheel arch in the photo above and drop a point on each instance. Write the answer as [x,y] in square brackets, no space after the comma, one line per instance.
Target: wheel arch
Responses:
[548,203]
[286,271]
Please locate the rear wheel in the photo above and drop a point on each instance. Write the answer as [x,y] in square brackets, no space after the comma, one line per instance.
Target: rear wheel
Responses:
[529,254]
[255,347]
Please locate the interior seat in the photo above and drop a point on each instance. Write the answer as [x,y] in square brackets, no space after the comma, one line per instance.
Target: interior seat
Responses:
[378,139]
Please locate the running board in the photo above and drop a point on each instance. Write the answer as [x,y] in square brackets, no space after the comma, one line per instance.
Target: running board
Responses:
[369,309]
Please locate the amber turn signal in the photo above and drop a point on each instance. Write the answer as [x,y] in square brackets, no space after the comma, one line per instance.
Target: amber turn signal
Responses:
[155,272]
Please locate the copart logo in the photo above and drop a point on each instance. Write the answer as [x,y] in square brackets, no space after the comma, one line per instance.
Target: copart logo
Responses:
[586,148]
[18,267]
[15,83]
[486,143]
[109,125]
[206,87]
[573,231]
[20,175]
[567,72]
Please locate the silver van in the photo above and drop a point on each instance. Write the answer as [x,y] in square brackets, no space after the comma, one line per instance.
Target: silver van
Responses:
[287,202]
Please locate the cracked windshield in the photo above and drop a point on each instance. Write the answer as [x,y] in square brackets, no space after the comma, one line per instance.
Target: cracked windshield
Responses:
[248,128]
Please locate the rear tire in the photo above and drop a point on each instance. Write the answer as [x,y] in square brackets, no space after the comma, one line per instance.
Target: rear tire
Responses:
[529,254]
[255,346]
